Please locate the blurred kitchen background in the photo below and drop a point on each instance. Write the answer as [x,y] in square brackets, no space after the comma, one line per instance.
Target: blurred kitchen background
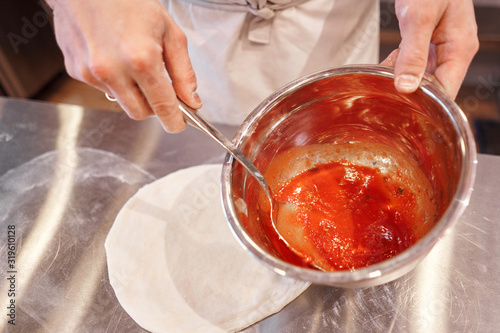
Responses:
[31,65]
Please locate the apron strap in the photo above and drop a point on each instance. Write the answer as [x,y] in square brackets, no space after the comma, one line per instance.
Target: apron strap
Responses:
[263,10]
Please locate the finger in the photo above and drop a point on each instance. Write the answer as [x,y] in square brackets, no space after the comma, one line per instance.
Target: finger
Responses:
[416,27]
[132,100]
[111,78]
[454,55]
[82,67]
[96,75]
[149,73]
[451,70]
[179,67]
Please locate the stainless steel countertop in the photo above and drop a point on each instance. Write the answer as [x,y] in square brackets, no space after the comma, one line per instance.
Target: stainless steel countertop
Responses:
[65,172]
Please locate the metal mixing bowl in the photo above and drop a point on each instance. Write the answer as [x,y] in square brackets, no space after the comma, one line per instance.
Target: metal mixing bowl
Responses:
[335,106]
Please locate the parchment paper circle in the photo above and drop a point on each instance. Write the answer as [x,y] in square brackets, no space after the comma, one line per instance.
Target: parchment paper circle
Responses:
[176,267]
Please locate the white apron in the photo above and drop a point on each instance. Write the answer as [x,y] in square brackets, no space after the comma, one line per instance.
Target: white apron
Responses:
[240,59]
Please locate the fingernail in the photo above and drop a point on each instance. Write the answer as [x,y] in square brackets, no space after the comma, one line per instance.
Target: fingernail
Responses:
[407,83]
[197,98]
[176,127]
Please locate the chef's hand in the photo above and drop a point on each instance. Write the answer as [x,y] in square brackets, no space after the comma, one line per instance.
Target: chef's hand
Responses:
[437,36]
[126,48]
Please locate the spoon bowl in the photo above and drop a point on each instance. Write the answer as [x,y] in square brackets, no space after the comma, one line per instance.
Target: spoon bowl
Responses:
[195,119]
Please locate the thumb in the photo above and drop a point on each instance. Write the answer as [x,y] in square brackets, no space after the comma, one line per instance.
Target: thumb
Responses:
[416,28]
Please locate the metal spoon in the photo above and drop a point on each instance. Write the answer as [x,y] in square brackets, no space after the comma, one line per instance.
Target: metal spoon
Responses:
[296,235]
[195,119]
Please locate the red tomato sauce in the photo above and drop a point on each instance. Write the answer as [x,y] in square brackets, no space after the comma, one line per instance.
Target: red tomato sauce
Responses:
[353,215]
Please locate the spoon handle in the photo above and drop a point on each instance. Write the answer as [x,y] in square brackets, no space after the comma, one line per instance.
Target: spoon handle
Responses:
[195,119]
